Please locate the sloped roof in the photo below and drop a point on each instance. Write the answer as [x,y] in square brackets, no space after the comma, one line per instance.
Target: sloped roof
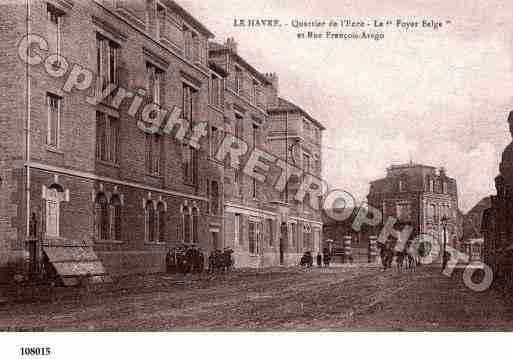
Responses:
[288,106]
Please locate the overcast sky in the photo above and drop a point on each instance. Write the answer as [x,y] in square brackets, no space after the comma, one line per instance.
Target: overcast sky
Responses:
[439,98]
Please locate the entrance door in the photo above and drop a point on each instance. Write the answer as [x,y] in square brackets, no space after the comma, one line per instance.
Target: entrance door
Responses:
[52,213]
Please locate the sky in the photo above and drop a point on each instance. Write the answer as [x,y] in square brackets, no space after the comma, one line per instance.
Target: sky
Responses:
[439,98]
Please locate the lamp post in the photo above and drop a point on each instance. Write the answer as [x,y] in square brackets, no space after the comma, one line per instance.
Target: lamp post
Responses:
[444,221]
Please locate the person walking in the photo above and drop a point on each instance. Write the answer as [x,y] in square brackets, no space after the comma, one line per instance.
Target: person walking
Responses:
[319,259]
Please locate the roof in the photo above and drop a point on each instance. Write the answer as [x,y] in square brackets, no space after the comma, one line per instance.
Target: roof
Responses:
[187,16]
[216,48]
[287,106]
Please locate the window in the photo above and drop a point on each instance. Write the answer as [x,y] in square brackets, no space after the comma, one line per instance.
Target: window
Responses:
[52,212]
[190,224]
[254,237]
[216,91]
[154,154]
[161,222]
[306,127]
[214,201]
[431,184]
[195,225]
[53,103]
[403,211]
[54,26]
[107,138]
[190,165]
[186,224]
[239,129]
[191,44]
[150,222]
[306,162]
[237,229]
[255,93]
[307,237]
[115,218]
[215,140]
[102,224]
[106,62]
[293,235]
[444,187]
[161,21]
[155,83]
[270,231]
[402,185]
[238,79]
[189,102]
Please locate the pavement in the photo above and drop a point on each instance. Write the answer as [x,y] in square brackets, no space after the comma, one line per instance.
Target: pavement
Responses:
[357,297]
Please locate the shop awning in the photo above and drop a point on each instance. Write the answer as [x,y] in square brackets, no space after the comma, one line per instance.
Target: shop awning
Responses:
[72,263]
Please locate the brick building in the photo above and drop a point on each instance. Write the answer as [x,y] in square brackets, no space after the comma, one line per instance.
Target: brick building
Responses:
[296,137]
[98,174]
[81,180]
[419,196]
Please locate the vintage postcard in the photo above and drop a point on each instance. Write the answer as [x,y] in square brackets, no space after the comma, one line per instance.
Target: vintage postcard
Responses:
[254,166]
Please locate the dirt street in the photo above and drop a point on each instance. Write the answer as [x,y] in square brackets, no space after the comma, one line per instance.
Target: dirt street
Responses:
[340,298]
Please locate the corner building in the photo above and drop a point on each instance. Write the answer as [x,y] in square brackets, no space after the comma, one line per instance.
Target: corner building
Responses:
[81,183]
[419,196]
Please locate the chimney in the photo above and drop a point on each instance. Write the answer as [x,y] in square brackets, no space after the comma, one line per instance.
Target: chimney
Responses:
[272,77]
[231,45]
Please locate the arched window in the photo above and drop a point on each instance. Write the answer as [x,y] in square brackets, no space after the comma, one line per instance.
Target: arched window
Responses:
[52,210]
[101,209]
[161,222]
[150,222]
[186,219]
[195,220]
[115,218]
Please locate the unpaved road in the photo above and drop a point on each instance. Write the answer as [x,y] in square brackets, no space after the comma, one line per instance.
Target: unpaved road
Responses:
[340,298]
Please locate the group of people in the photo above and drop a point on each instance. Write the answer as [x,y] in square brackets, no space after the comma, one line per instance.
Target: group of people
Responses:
[321,259]
[408,256]
[185,259]
[190,259]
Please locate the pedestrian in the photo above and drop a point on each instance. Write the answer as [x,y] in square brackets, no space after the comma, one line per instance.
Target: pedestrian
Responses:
[326,258]
[319,259]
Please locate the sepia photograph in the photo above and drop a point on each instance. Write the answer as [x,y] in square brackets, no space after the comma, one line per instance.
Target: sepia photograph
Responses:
[291,167]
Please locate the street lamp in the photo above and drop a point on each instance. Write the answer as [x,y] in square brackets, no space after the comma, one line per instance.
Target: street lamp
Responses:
[444,221]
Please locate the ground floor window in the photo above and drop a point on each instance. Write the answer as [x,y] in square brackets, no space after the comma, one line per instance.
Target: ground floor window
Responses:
[190,224]
[52,212]
[255,237]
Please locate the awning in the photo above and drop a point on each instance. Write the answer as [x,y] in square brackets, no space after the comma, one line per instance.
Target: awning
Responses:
[75,262]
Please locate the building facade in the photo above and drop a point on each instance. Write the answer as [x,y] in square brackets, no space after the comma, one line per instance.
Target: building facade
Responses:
[82,181]
[296,137]
[261,226]
[117,109]
[418,196]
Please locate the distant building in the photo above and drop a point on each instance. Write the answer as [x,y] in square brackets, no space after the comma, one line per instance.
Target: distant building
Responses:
[419,196]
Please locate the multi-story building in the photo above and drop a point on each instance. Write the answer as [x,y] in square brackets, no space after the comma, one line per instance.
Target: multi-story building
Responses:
[85,182]
[296,137]
[418,196]
[251,221]
[262,226]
